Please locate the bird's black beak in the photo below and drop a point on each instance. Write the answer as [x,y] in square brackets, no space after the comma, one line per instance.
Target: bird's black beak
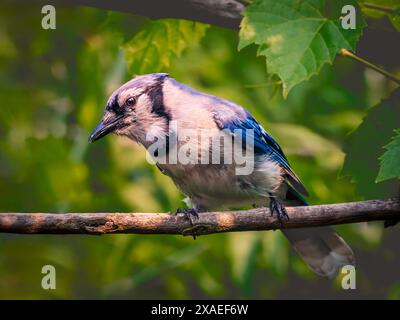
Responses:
[103,128]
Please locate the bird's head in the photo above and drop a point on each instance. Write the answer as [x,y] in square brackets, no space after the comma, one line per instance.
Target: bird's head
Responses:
[135,109]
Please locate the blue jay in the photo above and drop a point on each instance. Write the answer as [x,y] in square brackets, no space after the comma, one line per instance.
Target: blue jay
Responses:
[148,104]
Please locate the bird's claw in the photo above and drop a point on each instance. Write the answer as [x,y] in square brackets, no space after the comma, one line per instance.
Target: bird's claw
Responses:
[188,214]
[279,209]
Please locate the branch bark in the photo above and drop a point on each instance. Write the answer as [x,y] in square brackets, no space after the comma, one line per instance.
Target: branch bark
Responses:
[208,222]
[223,13]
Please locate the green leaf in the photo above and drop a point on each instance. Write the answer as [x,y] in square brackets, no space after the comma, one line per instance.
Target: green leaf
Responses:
[152,49]
[297,37]
[364,147]
[390,161]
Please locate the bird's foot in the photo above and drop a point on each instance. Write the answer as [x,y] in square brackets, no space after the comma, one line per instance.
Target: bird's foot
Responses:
[279,209]
[189,214]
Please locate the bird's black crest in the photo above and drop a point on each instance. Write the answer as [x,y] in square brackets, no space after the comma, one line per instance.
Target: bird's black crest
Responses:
[157,98]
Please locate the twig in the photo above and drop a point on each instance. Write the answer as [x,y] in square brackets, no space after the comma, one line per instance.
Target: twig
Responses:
[209,222]
[378,7]
[347,53]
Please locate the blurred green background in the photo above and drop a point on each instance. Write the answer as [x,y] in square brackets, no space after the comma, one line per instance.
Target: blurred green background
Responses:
[53,88]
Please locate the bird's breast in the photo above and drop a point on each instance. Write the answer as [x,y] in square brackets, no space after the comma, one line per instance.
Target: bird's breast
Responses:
[218,185]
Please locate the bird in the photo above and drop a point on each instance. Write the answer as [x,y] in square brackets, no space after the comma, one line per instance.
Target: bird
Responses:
[153,109]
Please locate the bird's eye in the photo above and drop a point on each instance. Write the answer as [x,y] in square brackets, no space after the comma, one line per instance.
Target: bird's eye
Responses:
[130,101]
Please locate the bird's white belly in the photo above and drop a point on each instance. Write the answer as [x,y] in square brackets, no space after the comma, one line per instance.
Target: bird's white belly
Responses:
[218,186]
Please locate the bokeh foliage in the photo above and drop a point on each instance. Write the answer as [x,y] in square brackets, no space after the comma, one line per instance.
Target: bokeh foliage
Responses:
[53,87]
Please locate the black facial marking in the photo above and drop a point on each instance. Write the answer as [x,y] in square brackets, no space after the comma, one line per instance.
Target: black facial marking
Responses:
[114,106]
[157,99]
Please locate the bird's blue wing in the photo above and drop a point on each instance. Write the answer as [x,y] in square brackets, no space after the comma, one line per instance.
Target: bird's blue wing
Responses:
[264,144]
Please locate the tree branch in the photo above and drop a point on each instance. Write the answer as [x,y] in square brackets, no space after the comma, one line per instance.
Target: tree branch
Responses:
[223,13]
[209,222]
